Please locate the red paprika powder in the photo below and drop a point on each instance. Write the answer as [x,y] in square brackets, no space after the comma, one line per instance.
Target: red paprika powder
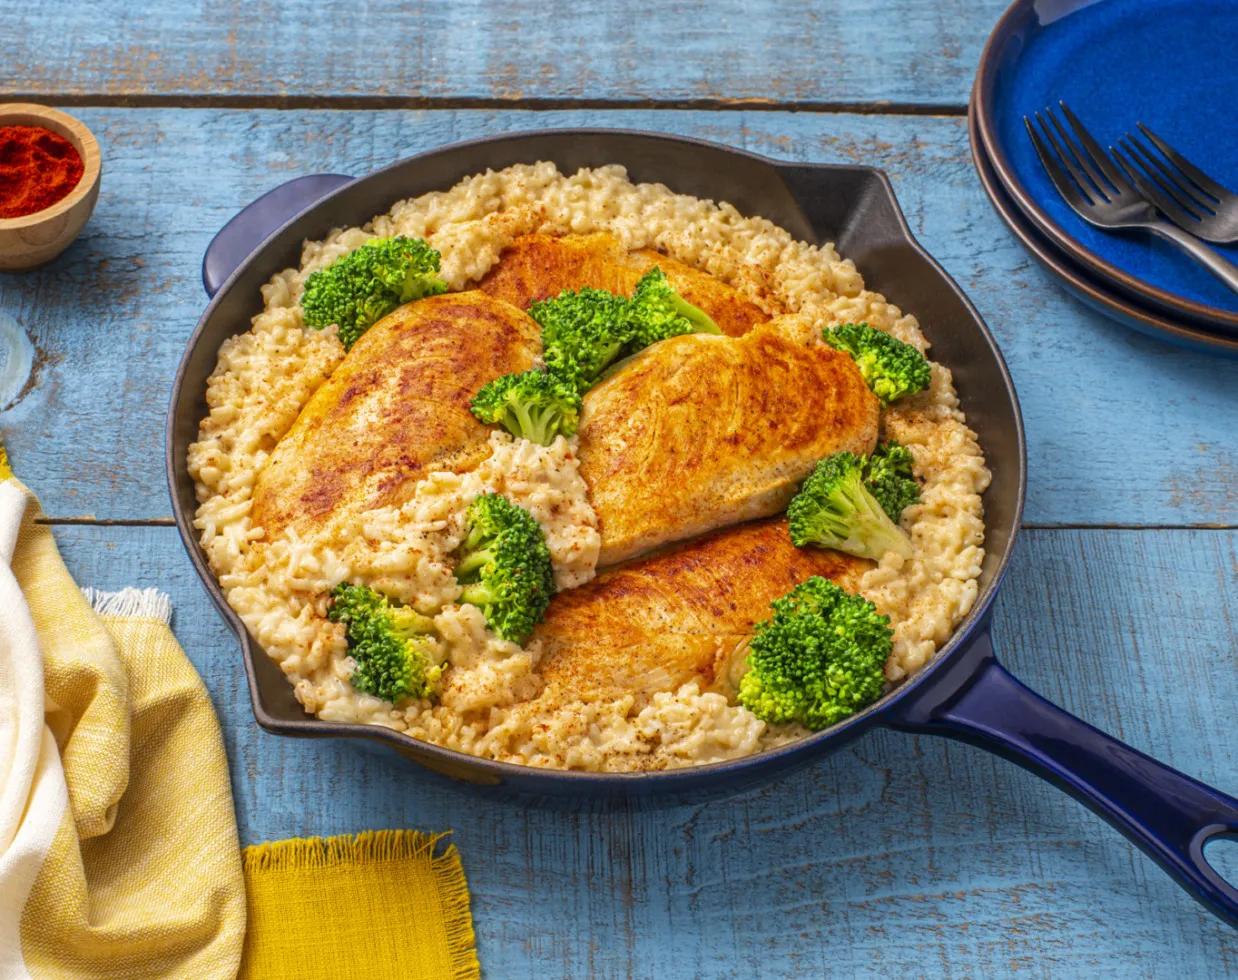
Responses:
[37,169]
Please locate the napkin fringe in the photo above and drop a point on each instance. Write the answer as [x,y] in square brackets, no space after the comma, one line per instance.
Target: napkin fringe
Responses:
[131,603]
[457,918]
[300,853]
[303,853]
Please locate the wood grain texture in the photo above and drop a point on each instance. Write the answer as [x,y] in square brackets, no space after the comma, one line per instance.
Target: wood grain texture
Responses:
[848,51]
[896,857]
[1121,429]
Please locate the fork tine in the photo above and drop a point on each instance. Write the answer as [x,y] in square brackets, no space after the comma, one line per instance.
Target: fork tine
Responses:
[1061,180]
[1163,175]
[1067,158]
[1094,149]
[1149,190]
[1178,187]
[1197,176]
[1078,155]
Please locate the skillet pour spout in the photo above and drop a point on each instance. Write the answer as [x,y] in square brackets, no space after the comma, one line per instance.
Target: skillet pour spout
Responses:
[963,694]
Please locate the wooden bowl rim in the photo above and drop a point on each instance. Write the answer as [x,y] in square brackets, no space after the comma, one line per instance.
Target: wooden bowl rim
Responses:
[92,161]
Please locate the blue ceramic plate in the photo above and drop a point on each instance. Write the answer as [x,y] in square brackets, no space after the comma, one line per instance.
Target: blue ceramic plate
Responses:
[1171,64]
[1074,278]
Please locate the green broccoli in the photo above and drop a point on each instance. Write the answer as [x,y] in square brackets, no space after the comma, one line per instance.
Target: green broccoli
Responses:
[534,405]
[585,331]
[582,332]
[834,509]
[391,660]
[360,288]
[819,659]
[657,312]
[888,476]
[505,566]
[890,368]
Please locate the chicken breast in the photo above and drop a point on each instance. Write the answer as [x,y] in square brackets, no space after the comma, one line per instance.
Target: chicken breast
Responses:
[396,408]
[682,614]
[699,432]
[537,267]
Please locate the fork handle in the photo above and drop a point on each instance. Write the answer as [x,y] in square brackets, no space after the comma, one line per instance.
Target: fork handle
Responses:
[1226,271]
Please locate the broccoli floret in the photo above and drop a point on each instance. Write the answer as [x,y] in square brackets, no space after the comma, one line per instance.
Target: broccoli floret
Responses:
[888,476]
[505,566]
[890,368]
[534,405]
[657,312]
[585,331]
[360,288]
[834,509]
[582,332]
[385,642]
[819,659]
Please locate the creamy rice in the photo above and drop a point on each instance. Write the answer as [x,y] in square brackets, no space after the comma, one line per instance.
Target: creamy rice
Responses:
[492,703]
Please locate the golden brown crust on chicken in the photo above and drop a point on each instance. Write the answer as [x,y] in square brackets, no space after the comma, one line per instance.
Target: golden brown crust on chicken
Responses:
[539,266]
[682,614]
[396,408]
[698,432]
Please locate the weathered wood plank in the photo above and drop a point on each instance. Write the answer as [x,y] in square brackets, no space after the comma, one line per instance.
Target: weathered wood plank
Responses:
[896,857]
[1121,429]
[852,51]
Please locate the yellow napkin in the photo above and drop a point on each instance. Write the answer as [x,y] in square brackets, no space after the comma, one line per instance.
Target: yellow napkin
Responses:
[118,845]
[378,906]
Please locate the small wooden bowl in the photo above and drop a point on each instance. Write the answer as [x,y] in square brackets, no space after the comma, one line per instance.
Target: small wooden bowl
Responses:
[33,239]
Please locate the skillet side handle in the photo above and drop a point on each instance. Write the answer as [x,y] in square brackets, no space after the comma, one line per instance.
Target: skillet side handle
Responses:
[1169,815]
[251,225]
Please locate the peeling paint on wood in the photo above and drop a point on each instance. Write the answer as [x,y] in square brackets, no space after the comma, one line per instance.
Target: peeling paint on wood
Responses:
[665,50]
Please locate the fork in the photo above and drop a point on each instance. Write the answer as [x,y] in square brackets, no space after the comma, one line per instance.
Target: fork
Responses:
[1191,199]
[1098,192]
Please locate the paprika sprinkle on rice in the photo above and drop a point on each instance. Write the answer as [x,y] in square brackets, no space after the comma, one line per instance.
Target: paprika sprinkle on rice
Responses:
[37,169]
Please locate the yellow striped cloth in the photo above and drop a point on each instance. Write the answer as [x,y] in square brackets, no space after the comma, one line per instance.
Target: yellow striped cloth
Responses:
[118,844]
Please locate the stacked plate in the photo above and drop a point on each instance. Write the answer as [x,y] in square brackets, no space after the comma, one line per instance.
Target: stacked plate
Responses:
[1170,64]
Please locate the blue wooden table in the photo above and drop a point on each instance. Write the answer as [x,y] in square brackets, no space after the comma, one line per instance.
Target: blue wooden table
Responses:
[900,856]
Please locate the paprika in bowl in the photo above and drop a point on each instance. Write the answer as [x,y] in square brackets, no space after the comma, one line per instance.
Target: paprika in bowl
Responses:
[49,182]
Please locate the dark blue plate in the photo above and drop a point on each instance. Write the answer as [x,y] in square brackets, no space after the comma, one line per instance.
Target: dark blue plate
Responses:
[1074,278]
[1171,64]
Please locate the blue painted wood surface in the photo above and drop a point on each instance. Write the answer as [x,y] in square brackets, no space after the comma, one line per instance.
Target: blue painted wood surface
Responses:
[898,857]
[767,51]
[1121,429]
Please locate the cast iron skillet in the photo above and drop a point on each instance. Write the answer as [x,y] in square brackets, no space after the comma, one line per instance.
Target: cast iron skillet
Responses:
[963,694]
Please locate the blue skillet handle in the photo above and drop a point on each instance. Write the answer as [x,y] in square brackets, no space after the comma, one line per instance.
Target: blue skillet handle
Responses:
[251,226]
[1169,815]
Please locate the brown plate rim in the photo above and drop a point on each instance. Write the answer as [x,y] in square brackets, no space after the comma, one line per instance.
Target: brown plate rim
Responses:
[981,105]
[1059,265]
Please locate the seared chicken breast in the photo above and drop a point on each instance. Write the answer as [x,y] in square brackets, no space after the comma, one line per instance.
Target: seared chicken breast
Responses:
[682,614]
[694,433]
[700,431]
[537,267]
[395,409]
